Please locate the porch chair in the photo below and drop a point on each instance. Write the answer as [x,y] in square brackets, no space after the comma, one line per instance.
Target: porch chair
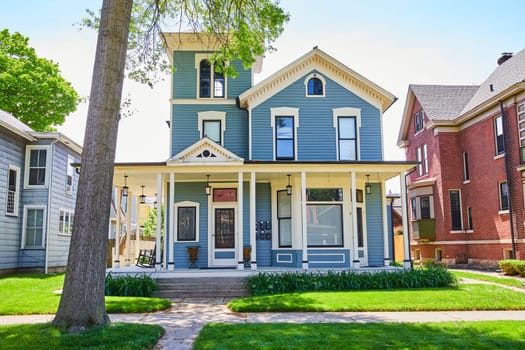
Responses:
[146,258]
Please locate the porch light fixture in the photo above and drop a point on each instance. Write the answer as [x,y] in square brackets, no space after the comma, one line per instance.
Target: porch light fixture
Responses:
[208,187]
[125,189]
[368,188]
[289,187]
[142,197]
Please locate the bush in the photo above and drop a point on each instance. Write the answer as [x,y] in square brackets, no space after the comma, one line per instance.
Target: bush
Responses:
[275,283]
[130,286]
[513,267]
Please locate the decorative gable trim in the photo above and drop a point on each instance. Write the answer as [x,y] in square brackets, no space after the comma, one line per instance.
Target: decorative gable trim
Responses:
[205,152]
[323,63]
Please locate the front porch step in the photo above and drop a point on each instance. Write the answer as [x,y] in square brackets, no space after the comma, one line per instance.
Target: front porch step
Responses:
[201,287]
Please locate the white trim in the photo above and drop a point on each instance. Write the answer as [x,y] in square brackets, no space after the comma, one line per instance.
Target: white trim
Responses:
[253,240]
[211,116]
[240,226]
[347,112]
[30,148]
[176,218]
[24,226]
[172,204]
[285,112]
[307,79]
[304,227]
[208,101]
[158,244]
[343,260]
[279,255]
[16,199]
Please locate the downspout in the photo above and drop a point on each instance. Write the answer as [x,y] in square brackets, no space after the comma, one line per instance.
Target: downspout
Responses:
[508,166]
[406,209]
[50,183]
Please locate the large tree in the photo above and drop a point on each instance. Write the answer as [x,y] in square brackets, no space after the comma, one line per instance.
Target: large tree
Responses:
[31,88]
[245,29]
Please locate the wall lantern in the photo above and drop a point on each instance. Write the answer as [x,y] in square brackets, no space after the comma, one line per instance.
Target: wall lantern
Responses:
[368,188]
[142,197]
[289,187]
[125,189]
[208,187]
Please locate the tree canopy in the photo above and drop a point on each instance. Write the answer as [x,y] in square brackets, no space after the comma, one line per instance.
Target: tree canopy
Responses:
[31,88]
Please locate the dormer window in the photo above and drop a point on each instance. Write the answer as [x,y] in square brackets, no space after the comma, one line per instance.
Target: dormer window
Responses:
[315,85]
[210,85]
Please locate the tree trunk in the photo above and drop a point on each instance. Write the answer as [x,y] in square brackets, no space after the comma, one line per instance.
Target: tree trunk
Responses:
[82,302]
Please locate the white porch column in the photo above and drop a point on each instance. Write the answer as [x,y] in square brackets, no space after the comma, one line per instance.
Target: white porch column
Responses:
[171,230]
[355,251]
[253,241]
[406,234]
[158,243]
[116,256]
[128,227]
[386,246]
[137,233]
[240,209]
[304,218]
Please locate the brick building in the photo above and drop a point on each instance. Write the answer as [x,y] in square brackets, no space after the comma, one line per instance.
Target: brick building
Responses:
[466,196]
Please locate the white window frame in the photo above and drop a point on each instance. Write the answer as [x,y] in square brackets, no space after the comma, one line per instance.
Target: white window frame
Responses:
[69,214]
[420,162]
[16,199]
[27,161]
[501,210]
[176,218]
[318,76]
[339,203]
[347,112]
[211,116]
[206,56]
[70,172]
[418,207]
[495,123]
[284,112]
[425,159]
[24,226]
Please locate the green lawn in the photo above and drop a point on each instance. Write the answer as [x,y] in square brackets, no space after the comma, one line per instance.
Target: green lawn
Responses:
[36,294]
[124,336]
[512,282]
[465,297]
[446,335]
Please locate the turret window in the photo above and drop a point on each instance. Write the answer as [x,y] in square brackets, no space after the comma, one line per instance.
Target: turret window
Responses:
[210,85]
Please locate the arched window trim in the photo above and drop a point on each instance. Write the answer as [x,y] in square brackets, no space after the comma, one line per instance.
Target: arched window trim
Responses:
[198,59]
[317,76]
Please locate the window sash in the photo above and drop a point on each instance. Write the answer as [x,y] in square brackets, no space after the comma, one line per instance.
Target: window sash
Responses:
[34,229]
[315,87]
[186,223]
[455,210]
[324,225]
[424,205]
[212,130]
[65,222]
[503,196]
[284,218]
[499,135]
[466,174]
[347,134]
[37,167]
[284,137]
[12,192]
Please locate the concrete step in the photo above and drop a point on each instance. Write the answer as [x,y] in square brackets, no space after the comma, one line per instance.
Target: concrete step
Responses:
[201,287]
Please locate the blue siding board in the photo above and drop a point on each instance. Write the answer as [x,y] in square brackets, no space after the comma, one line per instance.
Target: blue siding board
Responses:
[328,258]
[374,226]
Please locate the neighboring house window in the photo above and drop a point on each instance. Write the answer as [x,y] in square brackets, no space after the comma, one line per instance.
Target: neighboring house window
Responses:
[422,158]
[187,221]
[211,83]
[422,207]
[498,134]
[470,227]
[347,135]
[36,166]
[284,137]
[65,222]
[466,173]
[69,175]
[521,130]
[13,192]
[284,218]
[413,206]
[33,230]
[324,217]
[212,124]
[419,121]
[503,196]
[455,209]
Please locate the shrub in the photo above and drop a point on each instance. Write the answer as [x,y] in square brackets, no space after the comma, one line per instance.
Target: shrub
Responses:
[513,267]
[275,283]
[127,286]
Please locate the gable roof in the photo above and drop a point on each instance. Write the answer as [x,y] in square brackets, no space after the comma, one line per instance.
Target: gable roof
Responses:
[11,123]
[324,63]
[205,152]
[443,102]
[504,76]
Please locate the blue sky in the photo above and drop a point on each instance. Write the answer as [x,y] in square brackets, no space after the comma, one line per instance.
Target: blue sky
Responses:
[392,43]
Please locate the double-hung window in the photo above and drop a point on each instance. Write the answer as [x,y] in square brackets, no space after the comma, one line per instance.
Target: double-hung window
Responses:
[284,218]
[466,172]
[324,217]
[521,130]
[284,138]
[13,191]
[503,196]
[36,166]
[69,174]
[499,135]
[347,135]
[65,222]
[422,158]
[212,130]
[419,121]
[455,210]
[212,84]
[34,225]
[422,207]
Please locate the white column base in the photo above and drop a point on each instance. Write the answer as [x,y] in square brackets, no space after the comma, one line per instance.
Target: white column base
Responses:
[407,264]
[254,266]
[171,266]
[356,264]
[305,265]
[387,262]
[240,266]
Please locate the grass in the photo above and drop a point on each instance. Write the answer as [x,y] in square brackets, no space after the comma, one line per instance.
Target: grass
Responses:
[124,336]
[36,294]
[446,335]
[512,282]
[465,297]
